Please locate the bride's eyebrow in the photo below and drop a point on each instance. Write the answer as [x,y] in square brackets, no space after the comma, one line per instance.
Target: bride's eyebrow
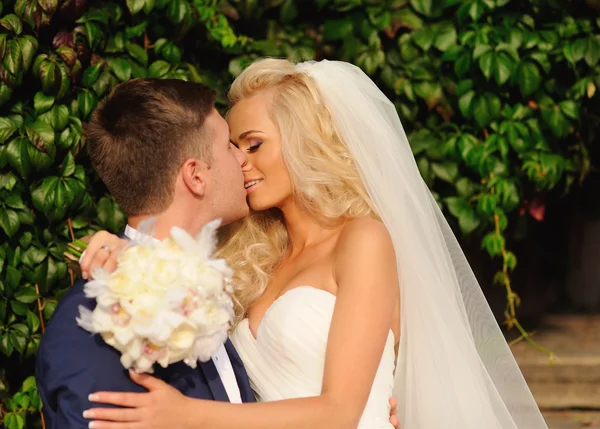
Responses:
[247,133]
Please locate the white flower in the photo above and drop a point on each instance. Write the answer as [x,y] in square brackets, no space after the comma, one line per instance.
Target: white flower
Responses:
[166,302]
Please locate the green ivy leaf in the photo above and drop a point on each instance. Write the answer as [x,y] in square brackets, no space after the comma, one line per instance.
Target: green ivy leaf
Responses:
[159,69]
[462,64]
[592,51]
[17,341]
[465,187]
[177,10]
[428,8]
[91,74]
[49,193]
[87,102]
[104,84]
[460,208]
[446,171]
[446,36]
[138,53]
[12,23]
[171,53]
[33,323]
[465,102]
[486,204]
[149,5]
[336,29]
[135,6]
[9,222]
[7,129]
[510,260]
[528,77]
[48,310]
[93,33]
[424,38]
[486,108]
[6,348]
[12,280]
[120,67]
[14,420]
[570,108]
[2,311]
[555,120]
[13,58]
[504,68]
[17,152]
[57,117]
[7,181]
[68,165]
[42,102]
[26,295]
[29,46]
[41,135]
[493,244]
[34,256]
[110,216]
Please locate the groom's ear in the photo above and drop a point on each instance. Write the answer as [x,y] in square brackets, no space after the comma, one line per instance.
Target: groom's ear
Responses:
[194,173]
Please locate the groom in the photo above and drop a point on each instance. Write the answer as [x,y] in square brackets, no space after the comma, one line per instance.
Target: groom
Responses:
[163,151]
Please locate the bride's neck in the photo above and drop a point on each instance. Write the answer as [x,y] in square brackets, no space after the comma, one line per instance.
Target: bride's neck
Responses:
[303,228]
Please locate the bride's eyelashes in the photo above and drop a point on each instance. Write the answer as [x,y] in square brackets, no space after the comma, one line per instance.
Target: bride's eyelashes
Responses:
[254,147]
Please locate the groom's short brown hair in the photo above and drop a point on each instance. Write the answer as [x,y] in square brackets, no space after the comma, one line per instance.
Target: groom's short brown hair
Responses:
[141,134]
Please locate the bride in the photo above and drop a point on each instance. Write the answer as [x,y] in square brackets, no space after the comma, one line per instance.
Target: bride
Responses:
[352,286]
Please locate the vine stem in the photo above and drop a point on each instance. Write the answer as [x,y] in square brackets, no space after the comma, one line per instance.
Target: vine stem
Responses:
[513,298]
[43,326]
[40,308]
[71,273]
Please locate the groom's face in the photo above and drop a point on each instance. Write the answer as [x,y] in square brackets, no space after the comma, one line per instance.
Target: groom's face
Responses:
[226,187]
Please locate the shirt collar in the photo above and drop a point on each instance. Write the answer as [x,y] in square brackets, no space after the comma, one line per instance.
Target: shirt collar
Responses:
[135,235]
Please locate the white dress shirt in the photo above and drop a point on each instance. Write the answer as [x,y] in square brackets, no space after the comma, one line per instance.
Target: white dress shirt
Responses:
[220,358]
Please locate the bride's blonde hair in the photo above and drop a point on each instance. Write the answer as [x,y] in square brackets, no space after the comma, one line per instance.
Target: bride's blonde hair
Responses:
[325,180]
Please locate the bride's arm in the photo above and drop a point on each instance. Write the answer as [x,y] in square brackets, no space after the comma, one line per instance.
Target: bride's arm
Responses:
[365,271]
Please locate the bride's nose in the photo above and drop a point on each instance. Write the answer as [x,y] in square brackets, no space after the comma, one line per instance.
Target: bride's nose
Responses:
[246,165]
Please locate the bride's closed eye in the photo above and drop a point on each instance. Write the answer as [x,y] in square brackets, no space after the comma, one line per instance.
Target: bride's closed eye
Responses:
[254,147]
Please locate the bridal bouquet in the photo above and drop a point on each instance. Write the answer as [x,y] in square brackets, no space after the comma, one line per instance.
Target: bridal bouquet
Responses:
[166,302]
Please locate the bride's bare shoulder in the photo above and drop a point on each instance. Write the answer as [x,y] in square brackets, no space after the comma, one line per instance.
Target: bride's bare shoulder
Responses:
[363,235]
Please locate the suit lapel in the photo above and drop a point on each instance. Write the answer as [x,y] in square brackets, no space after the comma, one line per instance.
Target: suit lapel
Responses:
[214,381]
[240,373]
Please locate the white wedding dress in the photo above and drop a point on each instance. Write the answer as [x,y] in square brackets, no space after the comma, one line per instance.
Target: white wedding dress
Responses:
[287,358]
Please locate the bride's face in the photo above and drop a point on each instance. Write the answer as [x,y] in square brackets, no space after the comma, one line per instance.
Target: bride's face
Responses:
[267,180]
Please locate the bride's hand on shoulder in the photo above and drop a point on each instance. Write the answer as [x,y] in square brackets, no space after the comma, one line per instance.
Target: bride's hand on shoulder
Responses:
[102,252]
[163,407]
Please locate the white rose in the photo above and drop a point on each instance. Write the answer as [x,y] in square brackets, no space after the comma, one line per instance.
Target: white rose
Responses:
[102,321]
[206,346]
[182,338]
[211,282]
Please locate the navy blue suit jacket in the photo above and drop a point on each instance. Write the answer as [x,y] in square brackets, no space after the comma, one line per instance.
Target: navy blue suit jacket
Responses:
[72,363]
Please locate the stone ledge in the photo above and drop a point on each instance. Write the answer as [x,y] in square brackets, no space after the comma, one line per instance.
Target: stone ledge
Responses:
[573,380]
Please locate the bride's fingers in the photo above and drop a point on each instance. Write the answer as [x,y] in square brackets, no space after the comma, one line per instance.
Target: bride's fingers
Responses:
[114,414]
[147,381]
[123,399]
[98,424]
[94,256]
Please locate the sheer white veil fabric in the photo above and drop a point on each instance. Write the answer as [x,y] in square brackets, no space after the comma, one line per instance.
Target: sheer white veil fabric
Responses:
[454,368]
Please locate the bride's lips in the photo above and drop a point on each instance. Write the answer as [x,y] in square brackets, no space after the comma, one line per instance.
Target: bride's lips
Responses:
[251,184]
